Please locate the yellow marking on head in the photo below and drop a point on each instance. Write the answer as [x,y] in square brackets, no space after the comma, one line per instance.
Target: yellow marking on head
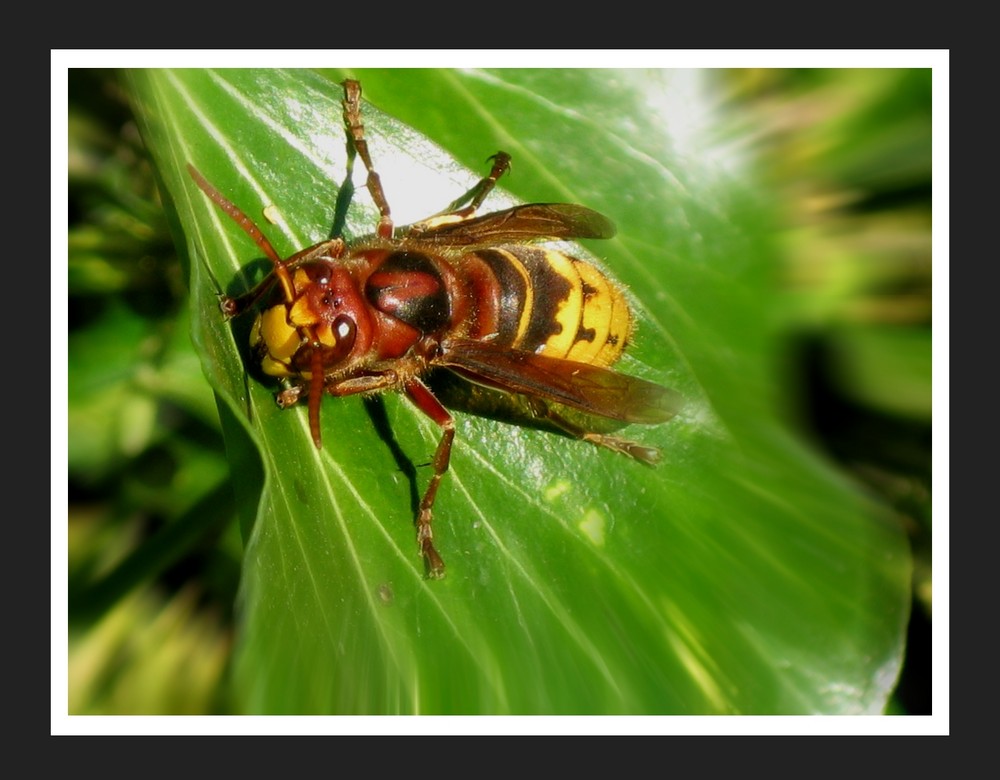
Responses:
[273,367]
[280,338]
[302,314]
[301,281]
[326,334]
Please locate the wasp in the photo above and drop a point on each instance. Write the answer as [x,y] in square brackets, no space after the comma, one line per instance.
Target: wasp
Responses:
[472,294]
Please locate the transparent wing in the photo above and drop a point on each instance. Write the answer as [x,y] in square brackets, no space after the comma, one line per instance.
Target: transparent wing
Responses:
[530,222]
[591,389]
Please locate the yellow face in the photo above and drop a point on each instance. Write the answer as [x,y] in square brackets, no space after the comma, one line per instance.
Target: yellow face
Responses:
[280,331]
[280,340]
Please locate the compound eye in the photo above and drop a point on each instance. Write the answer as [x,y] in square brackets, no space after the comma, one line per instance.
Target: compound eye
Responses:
[335,342]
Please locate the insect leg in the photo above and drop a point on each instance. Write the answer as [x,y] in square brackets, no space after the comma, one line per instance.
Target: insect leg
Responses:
[356,137]
[314,389]
[475,197]
[641,452]
[430,406]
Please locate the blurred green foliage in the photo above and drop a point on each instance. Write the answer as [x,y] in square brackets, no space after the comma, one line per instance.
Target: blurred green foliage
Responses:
[842,155]
[847,156]
[153,554]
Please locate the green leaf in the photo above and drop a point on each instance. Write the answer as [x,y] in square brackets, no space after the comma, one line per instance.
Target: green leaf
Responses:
[742,575]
